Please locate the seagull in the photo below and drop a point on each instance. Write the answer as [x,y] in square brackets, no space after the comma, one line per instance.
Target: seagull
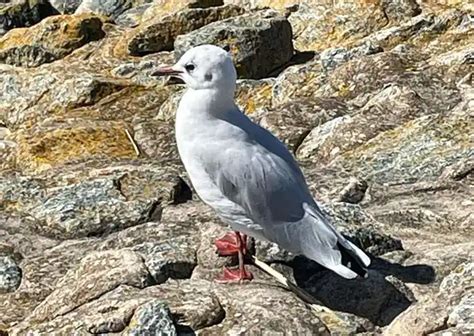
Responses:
[246,174]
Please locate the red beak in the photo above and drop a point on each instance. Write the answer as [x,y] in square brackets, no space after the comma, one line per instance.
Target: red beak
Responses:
[166,71]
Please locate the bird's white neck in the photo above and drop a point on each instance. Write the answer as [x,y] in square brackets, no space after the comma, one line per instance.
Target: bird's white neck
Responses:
[206,103]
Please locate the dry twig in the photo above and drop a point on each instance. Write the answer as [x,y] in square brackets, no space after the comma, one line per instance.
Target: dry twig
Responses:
[302,294]
[134,144]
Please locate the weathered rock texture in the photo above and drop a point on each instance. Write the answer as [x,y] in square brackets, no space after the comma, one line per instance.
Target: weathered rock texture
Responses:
[100,232]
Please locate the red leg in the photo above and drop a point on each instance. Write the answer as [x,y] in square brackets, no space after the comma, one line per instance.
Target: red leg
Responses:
[238,274]
[231,243]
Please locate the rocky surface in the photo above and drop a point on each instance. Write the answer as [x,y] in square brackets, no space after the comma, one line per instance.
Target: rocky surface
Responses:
[101,233]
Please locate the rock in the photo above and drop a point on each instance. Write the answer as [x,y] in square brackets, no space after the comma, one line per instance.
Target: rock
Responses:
[160,33]
[169,256]
[102,201]
[389,108]
[254,97]
[354,191]
[259,42]
[433,132]
[460,319]
[373,242]
[45,266]
[261,305]
[132,17]
[323,25]
[156,139]
[270,252]
[65,6]
[152,318]
[167,111]
[110,9]
[43,148]
[278,4]
[24,14]
[400,10]
[193,306]
[298,82]
[101,98]
[440,313]
[139,71]
[52,39]
[292,122]
[10,275]
[161,8]
[97,274]
[374,298]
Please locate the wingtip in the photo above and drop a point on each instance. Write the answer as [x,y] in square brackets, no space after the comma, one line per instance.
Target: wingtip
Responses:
[344,272]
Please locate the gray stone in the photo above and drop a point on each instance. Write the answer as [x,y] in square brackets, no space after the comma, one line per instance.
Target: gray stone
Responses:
[10,275]
[156,139]
[98,202]
[354,192]
[264,311]
[259,42]
[24,14]
[374,242]
[411,161]
[95,205]
[400,10]
[193,306]
[111,8]
[173,258]
[152,318]
[291,122]
[65,6]
[447,312]
[461,317]
[97,273]
[161,32]
[132,17]
[27,56]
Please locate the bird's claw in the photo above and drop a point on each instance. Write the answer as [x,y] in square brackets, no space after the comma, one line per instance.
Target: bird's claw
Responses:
[234,275]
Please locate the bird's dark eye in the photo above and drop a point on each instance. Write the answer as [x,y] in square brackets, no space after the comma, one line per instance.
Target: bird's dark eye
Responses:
[189,67]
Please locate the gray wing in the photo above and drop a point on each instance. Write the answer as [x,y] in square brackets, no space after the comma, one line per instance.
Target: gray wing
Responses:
[271,188]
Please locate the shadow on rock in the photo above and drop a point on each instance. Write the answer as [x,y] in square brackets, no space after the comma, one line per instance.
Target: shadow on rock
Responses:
[300,57]
[379,298]
[420,274]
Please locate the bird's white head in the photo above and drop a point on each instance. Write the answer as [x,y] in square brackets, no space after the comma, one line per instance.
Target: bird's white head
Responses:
[206,67]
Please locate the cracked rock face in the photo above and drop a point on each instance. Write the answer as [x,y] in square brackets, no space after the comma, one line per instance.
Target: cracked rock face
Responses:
[101,232]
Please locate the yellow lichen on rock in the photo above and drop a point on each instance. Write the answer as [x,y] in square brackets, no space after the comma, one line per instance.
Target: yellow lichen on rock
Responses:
[46,148]
[56,35]
[252,98]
